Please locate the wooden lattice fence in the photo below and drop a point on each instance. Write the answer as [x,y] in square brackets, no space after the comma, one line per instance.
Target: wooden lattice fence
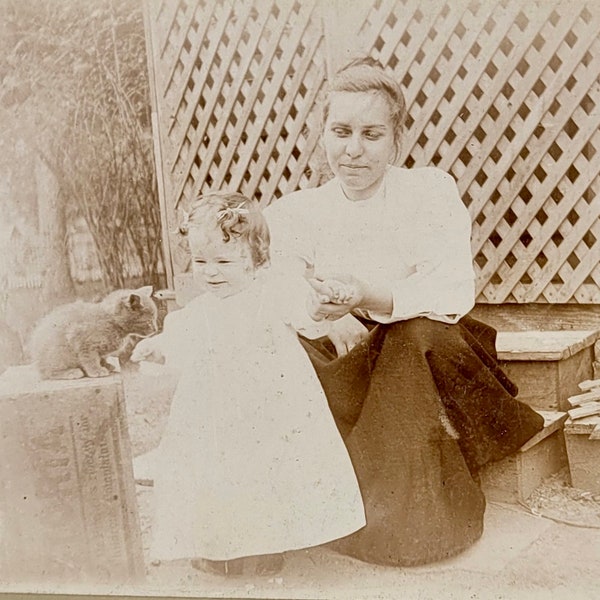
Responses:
[505,95]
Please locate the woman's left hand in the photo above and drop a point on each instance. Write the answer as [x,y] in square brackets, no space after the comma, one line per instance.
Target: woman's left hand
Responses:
[334,296]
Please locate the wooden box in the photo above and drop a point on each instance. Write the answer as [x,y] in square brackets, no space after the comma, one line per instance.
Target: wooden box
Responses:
[514,478]
[68,511]
[547,365]
[583,453]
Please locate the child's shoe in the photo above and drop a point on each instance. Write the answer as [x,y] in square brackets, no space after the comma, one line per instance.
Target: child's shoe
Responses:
[262,564]
[225,568]
[269,564]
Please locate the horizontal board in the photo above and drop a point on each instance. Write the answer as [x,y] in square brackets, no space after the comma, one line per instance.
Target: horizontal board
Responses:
[543,345]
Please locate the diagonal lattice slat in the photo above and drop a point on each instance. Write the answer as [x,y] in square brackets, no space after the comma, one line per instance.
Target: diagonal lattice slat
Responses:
[504,94]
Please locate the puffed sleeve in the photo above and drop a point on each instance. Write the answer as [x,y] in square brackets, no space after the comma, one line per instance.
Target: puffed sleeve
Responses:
[442,283]
[289,293]
[291,246]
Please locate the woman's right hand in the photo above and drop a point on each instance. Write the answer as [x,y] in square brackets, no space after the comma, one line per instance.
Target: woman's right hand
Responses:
[347,332]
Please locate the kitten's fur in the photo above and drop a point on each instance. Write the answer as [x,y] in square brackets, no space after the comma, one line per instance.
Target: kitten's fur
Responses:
[74,340]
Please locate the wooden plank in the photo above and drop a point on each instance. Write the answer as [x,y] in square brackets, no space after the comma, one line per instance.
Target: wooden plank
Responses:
[507,108]
[580,399]
[553,421]
[543,345]
[243,125]
[271,97]
[537,382]
[514,478]
[255,31]
[593,408]
[433,58]
[464,90]
[189,62]
[575,278]
[408,25]
[583,426]
[342,22]
[211,97]
[584,462]
[570,152]
[589,384]
[266,154]
[538,317]
[595,435]
[157,118]
[571,371]
[546,384]
[540,462]
[475,26]
[509,240]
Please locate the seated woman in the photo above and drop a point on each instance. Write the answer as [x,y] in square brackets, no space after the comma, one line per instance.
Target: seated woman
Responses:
[412,380]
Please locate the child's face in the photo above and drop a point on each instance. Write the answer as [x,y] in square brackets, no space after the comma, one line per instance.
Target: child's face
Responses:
[222,268]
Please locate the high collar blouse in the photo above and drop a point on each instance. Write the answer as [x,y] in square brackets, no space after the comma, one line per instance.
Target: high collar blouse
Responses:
[412,235]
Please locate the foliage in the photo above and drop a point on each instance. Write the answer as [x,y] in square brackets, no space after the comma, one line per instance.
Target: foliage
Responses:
[75,88]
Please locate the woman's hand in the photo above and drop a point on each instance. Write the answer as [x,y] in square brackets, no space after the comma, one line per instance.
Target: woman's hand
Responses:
[347,332]
[334,297]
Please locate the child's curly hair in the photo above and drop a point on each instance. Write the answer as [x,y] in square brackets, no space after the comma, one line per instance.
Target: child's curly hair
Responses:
[238,216]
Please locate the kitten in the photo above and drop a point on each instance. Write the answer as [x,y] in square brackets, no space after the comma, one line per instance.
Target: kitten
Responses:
[74,340]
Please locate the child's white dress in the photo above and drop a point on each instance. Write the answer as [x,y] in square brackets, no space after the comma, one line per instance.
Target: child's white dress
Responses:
[251,461]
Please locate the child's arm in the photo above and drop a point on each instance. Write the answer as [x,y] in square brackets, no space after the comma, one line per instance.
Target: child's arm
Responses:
[291,295]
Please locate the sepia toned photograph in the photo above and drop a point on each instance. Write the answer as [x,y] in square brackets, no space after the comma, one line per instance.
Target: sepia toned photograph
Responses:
[300,299]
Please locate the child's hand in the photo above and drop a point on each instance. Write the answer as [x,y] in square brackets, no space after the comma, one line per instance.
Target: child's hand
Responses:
[147,349]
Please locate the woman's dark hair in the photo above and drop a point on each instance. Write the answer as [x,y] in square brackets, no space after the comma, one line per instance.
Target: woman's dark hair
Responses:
[238,217]
[367,75]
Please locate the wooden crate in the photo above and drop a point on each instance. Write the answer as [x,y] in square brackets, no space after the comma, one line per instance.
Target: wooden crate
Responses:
[583,453]
[68,510]
[514,478]
[547,365]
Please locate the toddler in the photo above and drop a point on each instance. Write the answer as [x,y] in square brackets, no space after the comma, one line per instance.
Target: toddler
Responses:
[251,463]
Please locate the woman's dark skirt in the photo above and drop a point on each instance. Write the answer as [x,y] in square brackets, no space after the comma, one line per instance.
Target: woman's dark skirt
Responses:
[422,406]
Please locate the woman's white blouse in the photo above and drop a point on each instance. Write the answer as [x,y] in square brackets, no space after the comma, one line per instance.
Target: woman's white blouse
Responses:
[412,236]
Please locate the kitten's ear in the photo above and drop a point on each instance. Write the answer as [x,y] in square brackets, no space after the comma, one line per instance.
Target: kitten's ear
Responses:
[145,291]
[134,301]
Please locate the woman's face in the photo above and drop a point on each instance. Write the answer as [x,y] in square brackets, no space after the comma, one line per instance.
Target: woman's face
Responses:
[359,141]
